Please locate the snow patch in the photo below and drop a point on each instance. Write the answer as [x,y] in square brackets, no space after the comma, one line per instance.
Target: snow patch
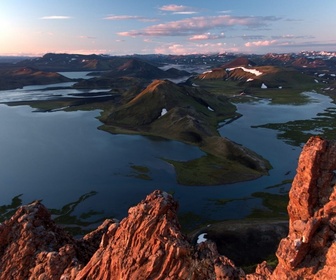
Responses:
[206,72]
[249,80]
[163,112]
[263,86]
[210,109]
[316,81]
[201,238]
[333,75]
[252,71]
[280,87]
[321,75]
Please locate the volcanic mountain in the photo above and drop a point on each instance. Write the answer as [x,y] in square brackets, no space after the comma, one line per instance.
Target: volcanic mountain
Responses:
[190,115]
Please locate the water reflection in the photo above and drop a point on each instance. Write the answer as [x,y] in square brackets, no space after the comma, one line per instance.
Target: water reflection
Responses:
[57,156]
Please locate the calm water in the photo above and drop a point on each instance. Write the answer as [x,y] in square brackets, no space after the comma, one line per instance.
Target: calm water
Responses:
[59,156]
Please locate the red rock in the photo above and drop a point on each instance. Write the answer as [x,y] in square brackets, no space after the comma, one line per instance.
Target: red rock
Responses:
[148,244]
[33,247]
[309,251]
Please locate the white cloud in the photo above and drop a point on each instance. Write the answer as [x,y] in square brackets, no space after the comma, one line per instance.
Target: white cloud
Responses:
[86,37]
[55,17]
[225,12]
[196,25]
[261,43]
[206,36]
[129,17]
[179,9]
[192,48]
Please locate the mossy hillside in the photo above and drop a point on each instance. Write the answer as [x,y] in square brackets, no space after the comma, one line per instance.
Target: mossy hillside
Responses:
[284,85]
[191,116]
[211,170]
[147,106]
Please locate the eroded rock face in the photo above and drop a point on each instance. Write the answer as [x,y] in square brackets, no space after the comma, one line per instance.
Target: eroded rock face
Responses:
[148,244]
[33,247]
[309,250]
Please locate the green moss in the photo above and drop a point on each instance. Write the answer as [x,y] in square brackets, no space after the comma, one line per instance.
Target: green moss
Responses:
[212,170]
[140,172]
[299,131]
[77,225]
[275,206]
[139,168]
[73,223]
[224,201]
[283,183]
[189,221]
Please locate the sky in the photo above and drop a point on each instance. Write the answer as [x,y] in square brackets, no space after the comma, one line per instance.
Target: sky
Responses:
[36,27]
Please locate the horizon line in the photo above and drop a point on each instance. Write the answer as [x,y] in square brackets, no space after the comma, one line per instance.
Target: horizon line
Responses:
[163,54]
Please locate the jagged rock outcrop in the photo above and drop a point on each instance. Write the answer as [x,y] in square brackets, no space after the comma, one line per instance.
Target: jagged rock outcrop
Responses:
[148,244]
[32,246]
[309,250]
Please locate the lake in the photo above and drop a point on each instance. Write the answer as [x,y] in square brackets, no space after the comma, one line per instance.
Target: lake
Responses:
[59,156]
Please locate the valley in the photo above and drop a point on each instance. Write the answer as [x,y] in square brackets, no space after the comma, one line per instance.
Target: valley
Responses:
[221,133]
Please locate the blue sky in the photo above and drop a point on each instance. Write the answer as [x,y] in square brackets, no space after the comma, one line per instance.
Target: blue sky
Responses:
[35,27]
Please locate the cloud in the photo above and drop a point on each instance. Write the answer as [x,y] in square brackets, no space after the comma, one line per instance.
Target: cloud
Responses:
[225,12]
[313,44]
[87,37]
[206,36]
[196,25]
[179,9]
[253,37]
[128,17]
[261,43]
[292,37]
[191,48]
[55,17]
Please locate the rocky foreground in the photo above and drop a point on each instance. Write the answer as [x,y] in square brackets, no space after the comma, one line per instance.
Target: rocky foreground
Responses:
[148,243]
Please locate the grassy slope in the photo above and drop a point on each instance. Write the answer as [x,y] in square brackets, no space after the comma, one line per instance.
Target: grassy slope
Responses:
[292,84]
[192,117]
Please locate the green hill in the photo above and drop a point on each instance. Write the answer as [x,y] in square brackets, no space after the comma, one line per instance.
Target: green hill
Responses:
[190,115]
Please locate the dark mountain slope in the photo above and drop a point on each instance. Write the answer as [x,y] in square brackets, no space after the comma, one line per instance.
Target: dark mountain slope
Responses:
[19,77]
[239,61]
